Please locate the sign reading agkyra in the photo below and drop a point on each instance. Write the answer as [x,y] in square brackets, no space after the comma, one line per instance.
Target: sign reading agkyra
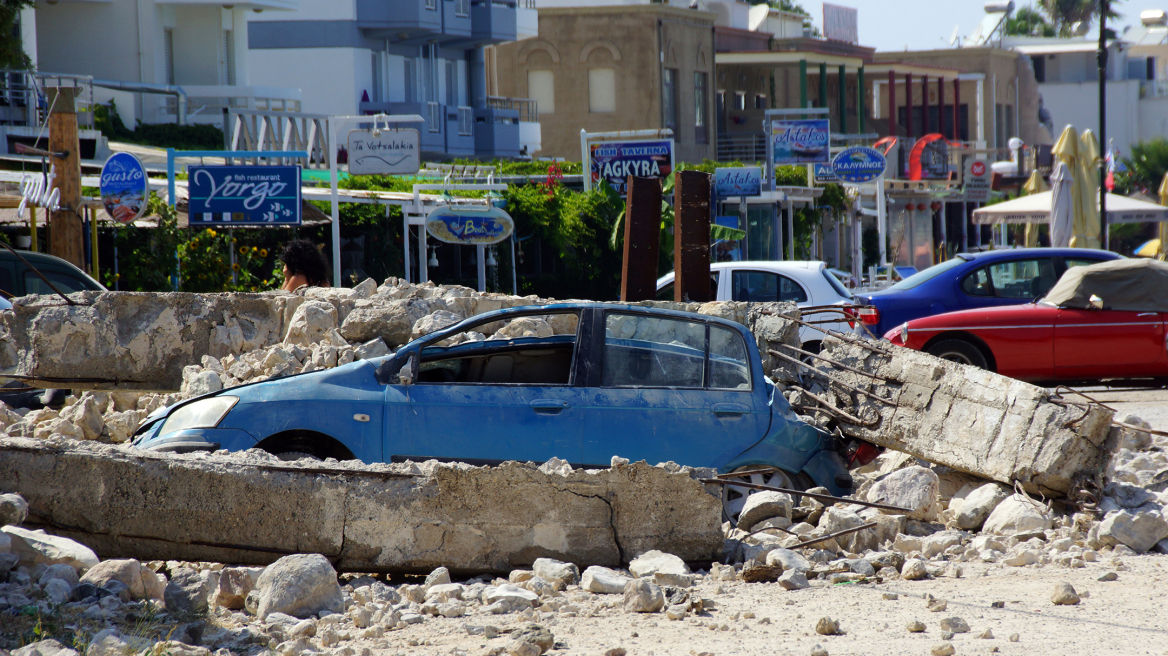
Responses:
[469,226]
[124,187]
[384,152]
[802,141]
[859,164]
[244,195]
[738,181]
[615,161]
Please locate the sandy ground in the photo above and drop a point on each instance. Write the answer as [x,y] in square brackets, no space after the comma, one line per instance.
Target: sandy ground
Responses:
[1151,405]
[1122,617]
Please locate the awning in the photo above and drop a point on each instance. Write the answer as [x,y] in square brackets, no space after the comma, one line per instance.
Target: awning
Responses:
[1036,209]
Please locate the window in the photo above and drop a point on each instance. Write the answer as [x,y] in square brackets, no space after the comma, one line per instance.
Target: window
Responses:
[666,292]
[528,350]
[836,284]
[375,65]
[763,286]
[977,284]
[601,90]
[451,84]
[729,368]
[760,101]
[646,351]
[64,282]
[740,101]
[1020,279]
[669,99]
[701,108]
[1039,62]
[541,87]
[168,44]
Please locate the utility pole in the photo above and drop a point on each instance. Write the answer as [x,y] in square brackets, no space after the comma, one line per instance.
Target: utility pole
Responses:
[1101,58]
[66,232]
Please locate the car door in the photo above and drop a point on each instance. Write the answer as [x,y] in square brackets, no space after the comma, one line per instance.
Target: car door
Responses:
[1108,343]
[672,389]
[1009,282]
[511,396]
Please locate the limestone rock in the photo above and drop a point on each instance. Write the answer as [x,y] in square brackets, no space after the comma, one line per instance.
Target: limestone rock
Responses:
[1138,530]
[433,323]
[913,570]
[642,596]
[59,571]
[915,626]
[827,626]
[299,585]
[1064,595]
[915,488]
[127,571]
[838,519]
[440,576]
[13,510]
[558,573]
[511,594]
[943,649]
[44,648]
[794,579]
[374,348]
[789,560]
[603,580]
[978,505]
[86,416]
[537,635]
[392,322]
[311,322]
[763,505]
[39,548]
[1017,514]
[187,591]
[665,569]
[234,584]
[954,625]
[204,382]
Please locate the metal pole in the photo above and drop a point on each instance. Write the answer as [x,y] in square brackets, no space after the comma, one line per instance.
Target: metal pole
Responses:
[790,230]
[881,220]
[406,243]
[334,130]
[1101,57]
[482,266]
[514,265]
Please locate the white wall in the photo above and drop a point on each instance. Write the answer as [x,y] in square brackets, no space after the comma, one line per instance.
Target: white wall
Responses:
[338,76]
[306,10]
[1153,113]
[1078,105]
[28,36]
[198,33]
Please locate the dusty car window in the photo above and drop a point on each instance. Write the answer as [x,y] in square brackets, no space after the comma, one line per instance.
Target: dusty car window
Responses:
[977,283]
[653,352]
[531,350]
[728,365]
[762,286]
[67,284]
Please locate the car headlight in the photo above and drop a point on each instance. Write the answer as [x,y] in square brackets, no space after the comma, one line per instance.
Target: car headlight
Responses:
[205,413]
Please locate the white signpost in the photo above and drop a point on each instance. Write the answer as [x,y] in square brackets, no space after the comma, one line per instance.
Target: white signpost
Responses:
[977,180]
[384,151]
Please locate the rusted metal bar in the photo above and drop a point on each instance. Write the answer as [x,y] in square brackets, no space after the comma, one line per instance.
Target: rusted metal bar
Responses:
[840,364]
[833,378]
[768,528]
[764,470]
[813,495]
[642,239]
[870,345]
[52,379]
[691,237]
[843,414]
[855,529]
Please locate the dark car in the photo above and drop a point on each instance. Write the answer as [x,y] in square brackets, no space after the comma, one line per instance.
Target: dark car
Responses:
[18,279]
[970,281]
[578,381]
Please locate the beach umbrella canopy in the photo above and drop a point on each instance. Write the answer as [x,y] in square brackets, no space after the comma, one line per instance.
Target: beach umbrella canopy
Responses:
[1150,248]
[1066,150]
[1162,253]
[1062,205]
[1087,228]
[1035,185]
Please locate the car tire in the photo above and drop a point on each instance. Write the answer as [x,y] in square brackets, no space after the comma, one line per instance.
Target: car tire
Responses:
[289,456]
[734,497]
[959,350]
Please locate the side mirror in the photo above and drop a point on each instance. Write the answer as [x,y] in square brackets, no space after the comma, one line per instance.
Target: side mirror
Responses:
[1096,302]
[405,376]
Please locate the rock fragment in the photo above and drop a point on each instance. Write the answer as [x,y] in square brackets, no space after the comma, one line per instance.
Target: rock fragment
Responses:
[954,625]
[663,568]
[642,596]
[1064,595]
[915,626]
[299,585]
[915,488]
[13,510]
[827,626]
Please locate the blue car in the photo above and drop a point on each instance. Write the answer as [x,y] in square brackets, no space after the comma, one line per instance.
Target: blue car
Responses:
[973,280]
[578,381]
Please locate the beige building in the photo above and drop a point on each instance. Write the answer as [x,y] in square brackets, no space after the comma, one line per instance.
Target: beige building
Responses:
[618,67]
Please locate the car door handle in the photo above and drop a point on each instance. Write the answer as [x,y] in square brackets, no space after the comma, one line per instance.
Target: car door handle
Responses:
[549,406]
[731,409]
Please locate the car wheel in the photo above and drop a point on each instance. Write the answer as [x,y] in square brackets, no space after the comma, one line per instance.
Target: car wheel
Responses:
[734,496]
[295,455]
[957,350]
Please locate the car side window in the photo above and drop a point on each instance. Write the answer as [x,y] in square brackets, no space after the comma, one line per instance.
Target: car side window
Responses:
[66,283]
[729,368]
[977,283]
[525,350]
[1073,262]
[764,286]
[645,351]
[1022,279]
[6,282]
[666,292]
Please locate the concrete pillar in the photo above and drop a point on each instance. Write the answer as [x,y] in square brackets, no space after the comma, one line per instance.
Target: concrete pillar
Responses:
[642,239]
[861,92]
[691,237]
[823,85]
[843,99]
[956,111]
[941,106]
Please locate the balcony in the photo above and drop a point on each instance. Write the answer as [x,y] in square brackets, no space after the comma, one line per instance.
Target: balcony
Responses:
[493,21]
[456,20]
[526,20]
[460,131]
[407,21]
[507,127]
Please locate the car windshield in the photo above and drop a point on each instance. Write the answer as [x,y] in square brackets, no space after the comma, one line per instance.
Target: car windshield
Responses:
[928,274]
[836,284]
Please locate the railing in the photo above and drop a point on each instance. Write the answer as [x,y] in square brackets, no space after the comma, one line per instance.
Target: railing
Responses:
[434,116]
[278,130]
[742,147]
[528,109]
[465,121]
[212,100]
[23,95]
[527,4]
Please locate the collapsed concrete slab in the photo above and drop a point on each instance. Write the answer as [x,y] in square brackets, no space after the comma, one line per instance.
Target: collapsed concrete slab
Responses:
[251,508]
[963,417]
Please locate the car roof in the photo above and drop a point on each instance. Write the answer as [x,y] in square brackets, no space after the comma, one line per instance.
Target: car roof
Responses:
[778,265]
[1060,252]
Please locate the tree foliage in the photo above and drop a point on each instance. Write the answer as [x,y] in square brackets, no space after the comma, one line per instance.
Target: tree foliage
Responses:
[1145,168]
[12,54]
[1065,13]
[1028,21]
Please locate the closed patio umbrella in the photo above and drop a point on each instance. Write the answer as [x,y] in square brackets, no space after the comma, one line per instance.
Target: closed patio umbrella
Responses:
[1035,185]
[1062,205]
[1162,255]
[1067,152]
[1087,229]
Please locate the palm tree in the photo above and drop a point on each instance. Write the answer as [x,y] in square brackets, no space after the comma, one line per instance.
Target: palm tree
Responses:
[1065,13]
[1027,21]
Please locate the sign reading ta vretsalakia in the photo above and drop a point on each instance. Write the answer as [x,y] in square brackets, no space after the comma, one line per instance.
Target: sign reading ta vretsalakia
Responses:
[384,152]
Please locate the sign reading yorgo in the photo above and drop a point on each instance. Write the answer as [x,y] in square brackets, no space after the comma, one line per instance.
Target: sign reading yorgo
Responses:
[244,195]
[615,161]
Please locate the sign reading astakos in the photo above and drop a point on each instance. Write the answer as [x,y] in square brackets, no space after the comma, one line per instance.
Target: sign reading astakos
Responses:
[469,226]
[124,187]
[244,195]
[384,152]
[738,181]
[977,180]
[615,161]
[803,141]
[859,164]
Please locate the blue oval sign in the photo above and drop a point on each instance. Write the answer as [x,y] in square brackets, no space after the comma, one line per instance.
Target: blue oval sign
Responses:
[124,187]
[859,164]
[459,225]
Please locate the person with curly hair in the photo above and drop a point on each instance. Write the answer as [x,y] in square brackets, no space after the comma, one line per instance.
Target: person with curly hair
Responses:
[304,265]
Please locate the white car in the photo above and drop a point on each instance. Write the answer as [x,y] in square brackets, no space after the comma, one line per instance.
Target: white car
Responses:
[806,283]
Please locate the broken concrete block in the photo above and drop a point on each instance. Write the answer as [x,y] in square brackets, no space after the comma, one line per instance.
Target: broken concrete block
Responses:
[1017,514]
[300,585]
[559,574]
[86,416]
[763,505]
[603,580]
[434,322]
[978,505]
[39,548]
[642,596]
[915,488]
[374,348]
[664,568]
[1138,530]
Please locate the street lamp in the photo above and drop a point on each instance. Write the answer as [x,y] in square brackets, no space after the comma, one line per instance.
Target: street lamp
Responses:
[1101,59]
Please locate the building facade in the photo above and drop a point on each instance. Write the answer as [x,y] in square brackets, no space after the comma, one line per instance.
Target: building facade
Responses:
[617,67]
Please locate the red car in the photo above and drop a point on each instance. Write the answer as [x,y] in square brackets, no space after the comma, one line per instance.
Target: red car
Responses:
[1104,321]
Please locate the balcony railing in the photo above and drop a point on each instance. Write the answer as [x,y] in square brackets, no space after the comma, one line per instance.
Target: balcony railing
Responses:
[24,101]
[750,147]
[528,109]
[212,100]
